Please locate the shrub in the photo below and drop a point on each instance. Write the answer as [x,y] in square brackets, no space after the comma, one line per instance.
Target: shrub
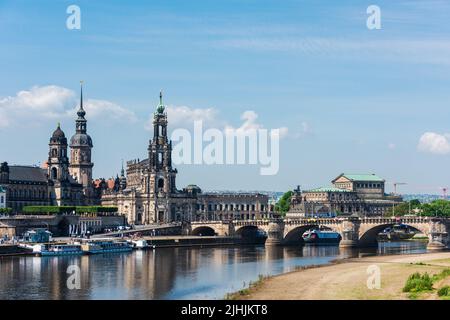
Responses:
[418,283]
[444,291]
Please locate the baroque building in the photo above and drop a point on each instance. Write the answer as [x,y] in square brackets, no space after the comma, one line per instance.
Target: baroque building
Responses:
[148,193]
[350,194]
[60,181]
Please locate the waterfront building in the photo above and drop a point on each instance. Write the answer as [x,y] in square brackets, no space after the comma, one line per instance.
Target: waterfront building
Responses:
[148,193]
[360,194]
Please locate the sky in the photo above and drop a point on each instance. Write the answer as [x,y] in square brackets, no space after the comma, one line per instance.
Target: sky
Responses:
[345,97]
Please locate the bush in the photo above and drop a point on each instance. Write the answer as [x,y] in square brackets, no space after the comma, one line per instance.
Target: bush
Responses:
[5,210]
[67,209]
[444,291]
[418,283]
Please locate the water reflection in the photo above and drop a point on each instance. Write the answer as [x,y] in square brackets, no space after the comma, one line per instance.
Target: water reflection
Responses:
[175,273]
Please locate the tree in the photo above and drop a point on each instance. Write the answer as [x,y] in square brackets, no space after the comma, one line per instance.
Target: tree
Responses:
[282,206]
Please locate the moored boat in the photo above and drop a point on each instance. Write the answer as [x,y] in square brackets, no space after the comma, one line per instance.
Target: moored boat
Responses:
[105,246]
[61,249]
[321,236]
[396,232]
[139,244]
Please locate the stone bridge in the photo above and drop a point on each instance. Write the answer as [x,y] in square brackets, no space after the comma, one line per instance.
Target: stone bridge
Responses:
[354,231]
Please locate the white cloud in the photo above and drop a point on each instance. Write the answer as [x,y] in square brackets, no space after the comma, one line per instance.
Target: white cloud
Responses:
[183,116]
[435,143]
[250,123]
[54,103]
[392,146]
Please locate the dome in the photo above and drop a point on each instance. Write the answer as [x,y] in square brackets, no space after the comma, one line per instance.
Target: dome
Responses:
[58,133]
[80,139]
[58,136]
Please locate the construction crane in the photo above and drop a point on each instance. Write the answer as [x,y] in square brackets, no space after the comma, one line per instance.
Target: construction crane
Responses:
[397,184]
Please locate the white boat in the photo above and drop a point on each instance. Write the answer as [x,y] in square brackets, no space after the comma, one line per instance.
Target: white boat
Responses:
[321,236]
[57,249]
[105,246]
[139,244]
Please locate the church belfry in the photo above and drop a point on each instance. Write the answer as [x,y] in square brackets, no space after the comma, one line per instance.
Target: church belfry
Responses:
[160,154]
[80,151]
[58,163]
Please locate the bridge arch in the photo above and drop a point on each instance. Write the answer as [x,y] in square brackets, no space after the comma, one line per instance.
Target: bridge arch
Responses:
[369,237]
[203,231]
[294,235]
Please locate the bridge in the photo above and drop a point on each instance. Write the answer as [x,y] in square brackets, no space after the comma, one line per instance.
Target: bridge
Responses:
[354,231]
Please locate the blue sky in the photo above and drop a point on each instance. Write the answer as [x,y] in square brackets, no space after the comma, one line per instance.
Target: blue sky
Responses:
[354,100]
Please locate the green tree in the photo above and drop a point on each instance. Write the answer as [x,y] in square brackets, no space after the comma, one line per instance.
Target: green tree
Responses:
[282,206]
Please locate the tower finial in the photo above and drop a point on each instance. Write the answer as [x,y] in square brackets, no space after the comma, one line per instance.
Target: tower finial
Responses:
[81,94]
[160,108]
[59,125]
[81,113]
[122,172]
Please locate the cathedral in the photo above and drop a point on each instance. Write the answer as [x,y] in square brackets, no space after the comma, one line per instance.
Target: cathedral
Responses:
[148,193]
[60,181]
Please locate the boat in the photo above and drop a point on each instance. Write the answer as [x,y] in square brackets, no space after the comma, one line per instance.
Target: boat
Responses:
[105,246]
[321,236]
[396,232]
[139,244]
[60,249]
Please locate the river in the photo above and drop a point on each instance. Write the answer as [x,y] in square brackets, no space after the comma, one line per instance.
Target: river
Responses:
[169,273]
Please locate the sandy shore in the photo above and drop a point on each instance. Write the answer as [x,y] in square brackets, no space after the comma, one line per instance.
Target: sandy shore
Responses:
[348,279]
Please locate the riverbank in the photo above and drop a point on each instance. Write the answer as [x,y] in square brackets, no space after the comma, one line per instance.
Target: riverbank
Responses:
[347,279]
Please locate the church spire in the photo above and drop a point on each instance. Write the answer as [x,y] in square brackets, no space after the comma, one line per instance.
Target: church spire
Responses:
[122,172]
[81,113]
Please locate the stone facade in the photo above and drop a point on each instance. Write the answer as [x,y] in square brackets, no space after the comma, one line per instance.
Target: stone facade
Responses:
[350,194]
[2,197]
[148,193]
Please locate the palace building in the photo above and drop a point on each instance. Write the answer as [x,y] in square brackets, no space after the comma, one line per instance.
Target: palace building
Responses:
[148,192]
[360,194]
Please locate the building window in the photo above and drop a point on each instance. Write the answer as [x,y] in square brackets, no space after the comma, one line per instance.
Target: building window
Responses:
[2,200]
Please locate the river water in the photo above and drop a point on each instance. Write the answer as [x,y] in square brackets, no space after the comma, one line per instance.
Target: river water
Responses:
[170,273]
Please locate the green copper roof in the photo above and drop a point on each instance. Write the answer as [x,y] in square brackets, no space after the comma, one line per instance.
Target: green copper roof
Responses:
[327,189]
[160,108]
[363,177]
[2,189]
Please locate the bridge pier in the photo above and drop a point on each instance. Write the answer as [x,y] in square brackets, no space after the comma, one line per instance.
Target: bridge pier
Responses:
[274,234]
[438,235]
[350,233]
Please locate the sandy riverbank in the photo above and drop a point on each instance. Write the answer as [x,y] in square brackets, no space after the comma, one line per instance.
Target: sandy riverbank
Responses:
[348,279]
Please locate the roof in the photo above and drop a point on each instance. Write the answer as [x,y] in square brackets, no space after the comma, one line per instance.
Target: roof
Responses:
[27,173]
[327,189]
[360,177]
[2,190]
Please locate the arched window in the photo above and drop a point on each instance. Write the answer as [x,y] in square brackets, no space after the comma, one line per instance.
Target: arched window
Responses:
[161,183]
[54,173]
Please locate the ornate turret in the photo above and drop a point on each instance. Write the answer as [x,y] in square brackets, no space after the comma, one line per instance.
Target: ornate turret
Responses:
[57,156]
[80,154]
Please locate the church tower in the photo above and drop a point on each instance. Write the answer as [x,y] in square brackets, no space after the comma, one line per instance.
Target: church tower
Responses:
[80,153]
[58,168]
[161,175]
[58,163]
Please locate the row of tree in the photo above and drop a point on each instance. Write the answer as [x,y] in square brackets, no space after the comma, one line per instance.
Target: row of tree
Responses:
[439,208]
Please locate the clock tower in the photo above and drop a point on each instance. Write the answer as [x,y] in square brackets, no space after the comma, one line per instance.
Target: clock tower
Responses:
[80,153]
